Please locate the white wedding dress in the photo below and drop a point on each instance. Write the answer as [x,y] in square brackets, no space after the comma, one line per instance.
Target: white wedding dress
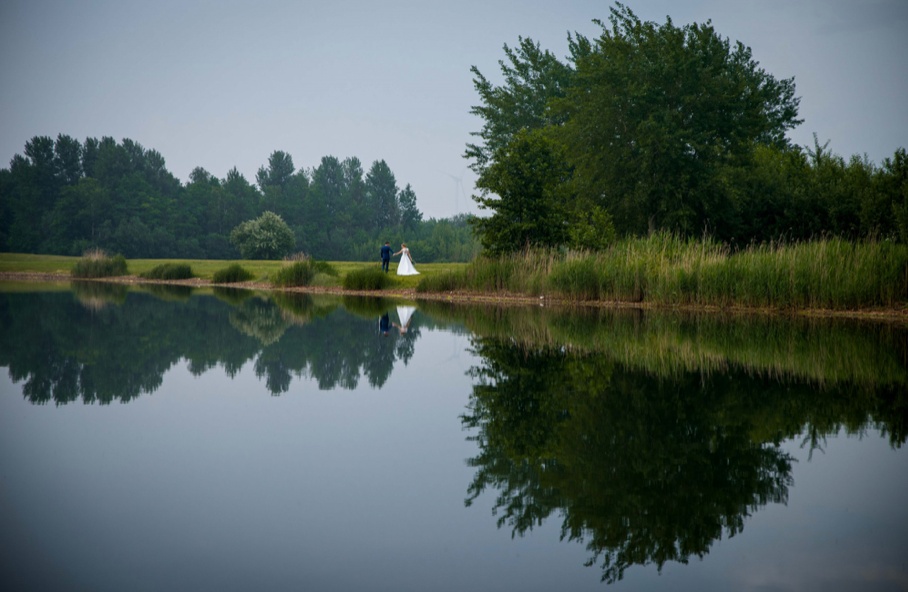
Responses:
[406,266]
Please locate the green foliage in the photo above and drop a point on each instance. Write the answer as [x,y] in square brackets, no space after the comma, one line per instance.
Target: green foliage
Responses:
[443,282]
[675,128]
[593,230]
[533,77]
[64,197]
[898,180]
[528,178]
[300,270]
[297,273]
[232,274]
[367,278]
[96,264]
[266,237]
[657,116]
[169,271]
[668,269]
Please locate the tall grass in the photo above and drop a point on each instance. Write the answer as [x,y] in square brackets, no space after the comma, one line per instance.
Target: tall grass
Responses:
[232,274]
[367,278]
[300,270]
[666,269]
[95,263]
[169,271]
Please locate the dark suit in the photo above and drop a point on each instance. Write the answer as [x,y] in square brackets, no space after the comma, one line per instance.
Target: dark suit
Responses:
[385,257]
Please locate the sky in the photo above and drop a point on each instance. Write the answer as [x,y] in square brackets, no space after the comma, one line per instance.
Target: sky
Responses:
[223,84]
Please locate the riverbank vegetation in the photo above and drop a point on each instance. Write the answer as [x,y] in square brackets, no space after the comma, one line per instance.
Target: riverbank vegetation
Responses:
[669,270]
[95,263]
[302,270]
[169,271]
[232,274]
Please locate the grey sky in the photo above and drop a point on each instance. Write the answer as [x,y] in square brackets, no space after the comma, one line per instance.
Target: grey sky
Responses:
[223,84]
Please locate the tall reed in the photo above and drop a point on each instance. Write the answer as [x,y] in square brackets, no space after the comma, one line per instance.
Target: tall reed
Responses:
[667,269]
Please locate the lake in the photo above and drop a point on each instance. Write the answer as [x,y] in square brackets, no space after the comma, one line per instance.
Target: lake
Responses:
[165,438]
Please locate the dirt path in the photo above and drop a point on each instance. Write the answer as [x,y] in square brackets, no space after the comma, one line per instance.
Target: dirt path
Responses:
[883,314]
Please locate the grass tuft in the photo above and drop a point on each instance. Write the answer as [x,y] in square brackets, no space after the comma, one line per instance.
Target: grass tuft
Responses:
[169,271]
[301,271]
[232,274]
[95,263]
[367,278]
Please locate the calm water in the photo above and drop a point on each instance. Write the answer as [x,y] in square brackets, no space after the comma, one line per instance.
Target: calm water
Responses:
[179,440]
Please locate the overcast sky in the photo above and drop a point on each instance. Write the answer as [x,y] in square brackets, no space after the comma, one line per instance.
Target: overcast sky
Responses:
[221,84]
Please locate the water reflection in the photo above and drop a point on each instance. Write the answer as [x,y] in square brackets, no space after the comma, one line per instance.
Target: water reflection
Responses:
[653,436]
[648,436]
[112,344]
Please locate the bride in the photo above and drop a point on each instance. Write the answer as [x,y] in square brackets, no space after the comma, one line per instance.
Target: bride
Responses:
[406,264]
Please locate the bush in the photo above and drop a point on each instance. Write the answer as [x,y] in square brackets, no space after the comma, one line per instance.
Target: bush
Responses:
[266,237]
[367,278]
[169,271]
[95,263]
[232,274]
[299,273]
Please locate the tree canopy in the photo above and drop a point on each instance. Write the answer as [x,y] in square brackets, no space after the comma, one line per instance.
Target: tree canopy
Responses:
[666,127]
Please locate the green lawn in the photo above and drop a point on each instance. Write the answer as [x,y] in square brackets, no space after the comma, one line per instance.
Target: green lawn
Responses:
[205,268]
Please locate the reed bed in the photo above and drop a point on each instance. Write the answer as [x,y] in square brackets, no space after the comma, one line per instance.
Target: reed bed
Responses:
[666,269]
[95,263]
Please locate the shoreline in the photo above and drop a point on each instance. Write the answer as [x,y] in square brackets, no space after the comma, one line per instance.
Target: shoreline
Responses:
[874,314]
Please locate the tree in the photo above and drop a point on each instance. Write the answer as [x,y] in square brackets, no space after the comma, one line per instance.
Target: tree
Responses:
[381,189]
[658,115]
[266,237]
[529,177]
[532,78]
[410,215]
[280,170]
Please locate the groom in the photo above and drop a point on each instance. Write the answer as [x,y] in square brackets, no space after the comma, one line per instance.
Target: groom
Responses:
[385,257]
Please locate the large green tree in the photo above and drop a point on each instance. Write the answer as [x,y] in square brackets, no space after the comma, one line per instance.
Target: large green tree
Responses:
[659,114]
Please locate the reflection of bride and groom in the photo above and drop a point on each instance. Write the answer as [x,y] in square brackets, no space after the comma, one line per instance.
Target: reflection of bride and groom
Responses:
[404,314]
[406,262]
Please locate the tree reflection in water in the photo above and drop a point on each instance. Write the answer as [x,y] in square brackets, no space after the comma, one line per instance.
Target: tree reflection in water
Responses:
[655,434]
[110,343]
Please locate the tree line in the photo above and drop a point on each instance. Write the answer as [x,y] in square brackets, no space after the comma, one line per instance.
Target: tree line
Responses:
[658,127]
[64,196]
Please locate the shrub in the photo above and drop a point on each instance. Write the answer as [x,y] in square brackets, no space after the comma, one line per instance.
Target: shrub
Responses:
[367,278]
[299,273]
[266,237]
[232,274]
[169,271]
[95,263]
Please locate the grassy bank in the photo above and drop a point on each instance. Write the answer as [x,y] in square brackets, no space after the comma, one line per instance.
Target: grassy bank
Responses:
[204,269]
[664,269]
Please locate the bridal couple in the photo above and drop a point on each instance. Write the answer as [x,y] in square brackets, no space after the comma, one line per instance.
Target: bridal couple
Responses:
[406,264]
